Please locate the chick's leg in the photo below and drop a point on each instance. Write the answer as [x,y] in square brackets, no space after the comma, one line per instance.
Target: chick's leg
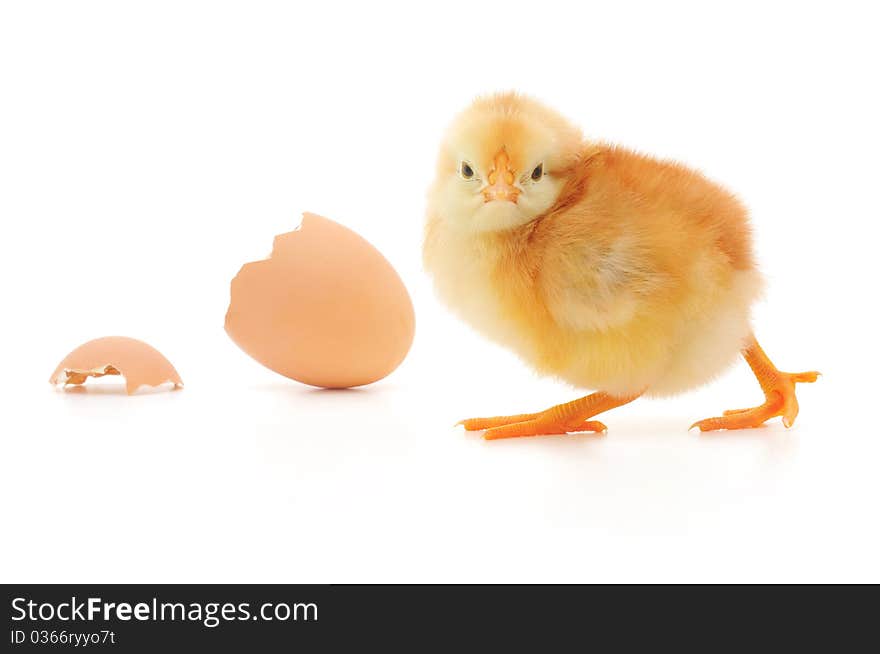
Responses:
[779,395]
[560,419]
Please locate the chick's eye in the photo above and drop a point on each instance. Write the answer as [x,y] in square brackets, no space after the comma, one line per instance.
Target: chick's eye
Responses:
[538,172]
[466,171]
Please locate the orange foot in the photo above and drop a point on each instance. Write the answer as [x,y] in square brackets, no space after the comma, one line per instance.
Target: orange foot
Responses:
[778,387]
[559,419]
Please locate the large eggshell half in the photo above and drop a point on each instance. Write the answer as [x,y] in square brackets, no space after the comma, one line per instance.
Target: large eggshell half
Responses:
[326,308]
[139,363]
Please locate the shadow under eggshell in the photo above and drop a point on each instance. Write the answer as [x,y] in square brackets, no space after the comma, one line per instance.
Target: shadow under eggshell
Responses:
[325,309]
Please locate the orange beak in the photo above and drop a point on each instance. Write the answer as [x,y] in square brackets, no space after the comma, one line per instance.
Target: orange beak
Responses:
[501,180]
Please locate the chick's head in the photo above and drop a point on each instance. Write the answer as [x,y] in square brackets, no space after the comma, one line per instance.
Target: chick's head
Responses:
[504,162]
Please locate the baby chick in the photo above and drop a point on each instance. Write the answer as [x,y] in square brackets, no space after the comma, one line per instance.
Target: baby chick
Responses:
[605,268]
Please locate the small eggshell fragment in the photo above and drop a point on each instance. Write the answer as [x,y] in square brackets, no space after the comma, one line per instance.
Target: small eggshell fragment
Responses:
[326,308]
[139,363]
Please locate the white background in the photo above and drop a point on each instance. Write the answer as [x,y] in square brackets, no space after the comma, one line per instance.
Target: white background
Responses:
[147,150]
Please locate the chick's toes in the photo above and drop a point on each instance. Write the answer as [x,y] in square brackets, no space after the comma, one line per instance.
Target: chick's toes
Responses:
[541,428]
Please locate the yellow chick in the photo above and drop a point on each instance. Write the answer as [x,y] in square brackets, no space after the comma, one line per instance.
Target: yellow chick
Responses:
[599,266]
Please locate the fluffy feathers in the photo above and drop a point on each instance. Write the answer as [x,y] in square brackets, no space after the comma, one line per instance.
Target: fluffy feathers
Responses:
[613,270]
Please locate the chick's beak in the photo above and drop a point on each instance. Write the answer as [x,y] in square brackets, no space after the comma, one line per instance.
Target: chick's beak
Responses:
[501,180]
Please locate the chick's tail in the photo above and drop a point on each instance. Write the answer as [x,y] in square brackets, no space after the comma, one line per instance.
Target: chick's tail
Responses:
[779,395]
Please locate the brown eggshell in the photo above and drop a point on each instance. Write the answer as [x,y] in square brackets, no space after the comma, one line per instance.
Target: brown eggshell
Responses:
[326,308]
[139,363]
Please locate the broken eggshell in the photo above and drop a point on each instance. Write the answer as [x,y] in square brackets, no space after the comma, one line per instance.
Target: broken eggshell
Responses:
[139,363]
[325,309]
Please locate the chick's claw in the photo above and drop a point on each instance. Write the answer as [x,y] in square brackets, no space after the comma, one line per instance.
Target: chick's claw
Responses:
[479,424]
[527,424]
[542,428]
[779,390]
[740,418]
[520,429]
[565,418]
